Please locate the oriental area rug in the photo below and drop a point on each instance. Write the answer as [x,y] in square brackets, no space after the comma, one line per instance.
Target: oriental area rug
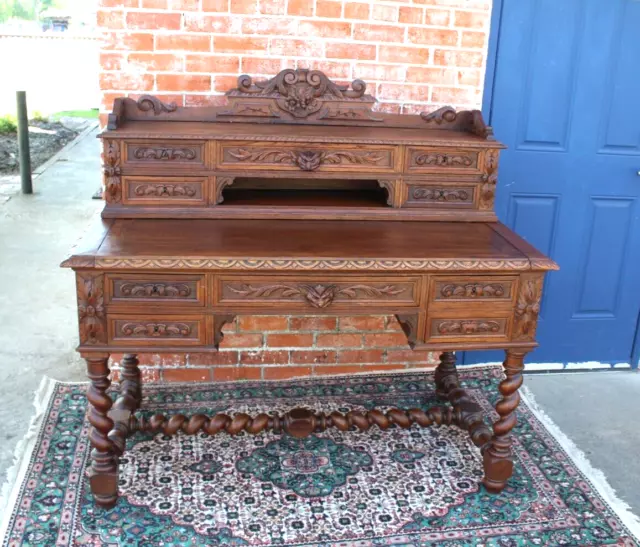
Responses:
[397,487]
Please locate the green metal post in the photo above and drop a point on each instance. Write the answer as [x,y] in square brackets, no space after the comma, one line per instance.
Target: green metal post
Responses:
[23,143]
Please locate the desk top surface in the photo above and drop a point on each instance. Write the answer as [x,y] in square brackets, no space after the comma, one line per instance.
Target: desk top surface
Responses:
[425,243]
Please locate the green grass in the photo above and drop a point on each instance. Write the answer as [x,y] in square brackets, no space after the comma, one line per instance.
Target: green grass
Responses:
[93,113]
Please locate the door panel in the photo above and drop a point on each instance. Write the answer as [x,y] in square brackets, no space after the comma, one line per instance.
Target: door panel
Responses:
[565,102]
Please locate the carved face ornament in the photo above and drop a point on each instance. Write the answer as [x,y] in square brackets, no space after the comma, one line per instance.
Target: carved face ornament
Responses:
[320,296]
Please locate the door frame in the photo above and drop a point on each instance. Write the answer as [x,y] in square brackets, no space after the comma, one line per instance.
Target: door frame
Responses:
[487,112]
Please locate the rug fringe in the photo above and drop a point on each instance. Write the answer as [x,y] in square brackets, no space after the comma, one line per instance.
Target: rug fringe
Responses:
[22,454]
[595,476]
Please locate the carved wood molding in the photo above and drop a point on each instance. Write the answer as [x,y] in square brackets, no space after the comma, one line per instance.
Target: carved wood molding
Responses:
[319,296]
[221,184]
[473,290]
[219,321]
[164,153]
[392,188]
[155,330]
[409,324]
[149,102]
[420,193]
[469,120]
[91,310]
[443,160]
[165,190]
[112,171]
[155,290]
[468,327]
[307,160]
[489,180]
[527,307]
[127,263]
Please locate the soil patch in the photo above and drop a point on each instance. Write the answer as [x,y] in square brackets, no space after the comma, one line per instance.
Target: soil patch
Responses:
[45,139]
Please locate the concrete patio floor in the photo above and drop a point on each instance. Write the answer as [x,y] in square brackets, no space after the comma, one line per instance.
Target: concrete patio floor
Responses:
[597,410]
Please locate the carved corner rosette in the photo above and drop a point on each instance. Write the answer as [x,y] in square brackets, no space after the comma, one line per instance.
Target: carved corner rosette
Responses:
[489,180]
[91,310]
[301,93]
[527,307]
[112,171]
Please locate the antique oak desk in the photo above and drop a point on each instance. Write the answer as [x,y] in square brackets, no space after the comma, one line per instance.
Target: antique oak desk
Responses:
[297,197]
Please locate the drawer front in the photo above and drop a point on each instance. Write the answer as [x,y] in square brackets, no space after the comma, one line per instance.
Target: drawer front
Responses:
[434,195]
[165,154]
[164,191]
[468,328]
[429,160]
[324,158]
[318,293]
[165,289]
[167,330]
[452,289]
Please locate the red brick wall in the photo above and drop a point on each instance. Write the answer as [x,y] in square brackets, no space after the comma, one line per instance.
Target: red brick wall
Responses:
[415,55]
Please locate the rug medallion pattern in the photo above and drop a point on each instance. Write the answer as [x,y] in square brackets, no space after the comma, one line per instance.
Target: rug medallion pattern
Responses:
[397,487]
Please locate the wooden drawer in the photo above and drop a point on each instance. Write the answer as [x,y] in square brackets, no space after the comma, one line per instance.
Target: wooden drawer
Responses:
[160,330]
[300,157]
[164,191]
[468,328]
[421,194]
[473,288]
[318,292]
[428,160]
[165,154]
[166,289]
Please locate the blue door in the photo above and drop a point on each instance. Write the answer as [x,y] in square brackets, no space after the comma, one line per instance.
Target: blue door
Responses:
[566,101]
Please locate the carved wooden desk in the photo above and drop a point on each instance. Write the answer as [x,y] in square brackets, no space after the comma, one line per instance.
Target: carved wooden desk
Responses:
[331,208]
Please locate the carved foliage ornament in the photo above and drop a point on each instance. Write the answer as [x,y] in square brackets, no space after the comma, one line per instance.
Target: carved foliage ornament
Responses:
[489,180]
[159,290]
[155,330]
[473,290]
[440,194]
[471,120]
[300,92]
[443,160]
[319,296]
[165,190]
[468,327]
[112,171]
[164,154]
[528,308]
[308,160]
[149,102]
[91,310]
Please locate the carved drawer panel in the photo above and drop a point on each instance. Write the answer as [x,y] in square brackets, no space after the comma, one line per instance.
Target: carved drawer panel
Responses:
[434,195]
[165,154]
[467,328]
[164,191]
[452,289]
[166,289]
[429,160]
[176,330]
[288,157]
[317,293]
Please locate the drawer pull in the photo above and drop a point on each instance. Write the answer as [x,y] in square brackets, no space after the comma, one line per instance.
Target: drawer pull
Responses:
[319,296]
[468,327]
[164,154]
[155,329]
[473,290]
[155,289]
[308,160]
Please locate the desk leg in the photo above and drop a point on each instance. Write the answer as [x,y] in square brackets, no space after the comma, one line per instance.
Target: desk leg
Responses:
[131,383]
[103,474]
[446,375]
[498,456]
